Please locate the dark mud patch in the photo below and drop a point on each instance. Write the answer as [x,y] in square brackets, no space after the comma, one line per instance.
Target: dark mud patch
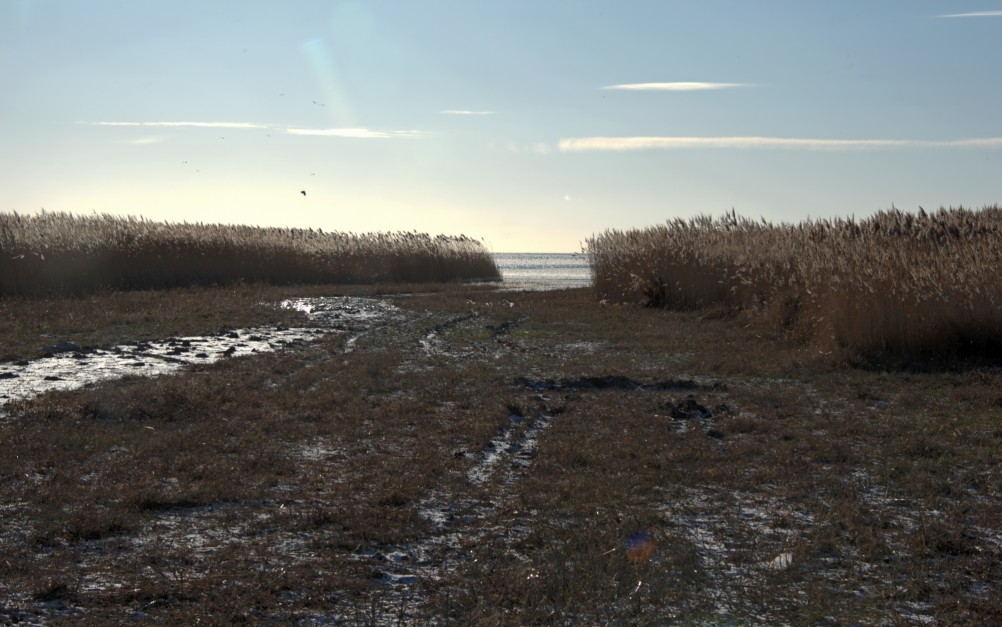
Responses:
[612,382]
[500,331]
[689,412]
[687,409]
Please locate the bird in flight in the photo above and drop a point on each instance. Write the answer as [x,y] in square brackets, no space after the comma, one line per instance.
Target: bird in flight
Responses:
[303,192]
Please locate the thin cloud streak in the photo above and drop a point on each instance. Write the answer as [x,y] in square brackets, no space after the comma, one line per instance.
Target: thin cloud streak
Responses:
[975,14]
[351,133]
[465,112]
[681,86]
[183,124]
[621,144]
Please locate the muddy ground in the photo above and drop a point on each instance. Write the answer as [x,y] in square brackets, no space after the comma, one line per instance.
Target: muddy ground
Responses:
[505,458]
[66,365]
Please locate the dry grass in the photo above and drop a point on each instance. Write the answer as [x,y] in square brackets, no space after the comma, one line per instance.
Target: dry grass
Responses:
[895,285]
[285,488]
[60,253]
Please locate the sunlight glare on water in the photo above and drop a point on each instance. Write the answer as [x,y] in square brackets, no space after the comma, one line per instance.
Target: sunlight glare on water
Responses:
[543,271]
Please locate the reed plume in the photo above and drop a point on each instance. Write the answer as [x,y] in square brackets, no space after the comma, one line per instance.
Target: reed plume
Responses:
[60,253]
[894,283]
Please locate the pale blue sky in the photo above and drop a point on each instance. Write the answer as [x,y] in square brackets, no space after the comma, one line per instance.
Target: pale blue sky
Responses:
[531,124]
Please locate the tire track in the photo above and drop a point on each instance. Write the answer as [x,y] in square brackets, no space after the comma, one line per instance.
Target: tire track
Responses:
[458,521]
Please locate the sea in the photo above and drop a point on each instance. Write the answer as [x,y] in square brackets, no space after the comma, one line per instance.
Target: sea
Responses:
[543,271]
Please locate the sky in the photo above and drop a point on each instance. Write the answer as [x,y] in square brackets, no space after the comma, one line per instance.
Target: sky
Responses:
[529,124]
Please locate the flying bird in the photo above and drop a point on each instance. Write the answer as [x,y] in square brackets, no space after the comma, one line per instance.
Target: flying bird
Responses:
[303,192]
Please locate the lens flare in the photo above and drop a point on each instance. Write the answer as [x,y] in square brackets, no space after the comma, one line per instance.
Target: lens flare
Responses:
[640,547]
[326,71]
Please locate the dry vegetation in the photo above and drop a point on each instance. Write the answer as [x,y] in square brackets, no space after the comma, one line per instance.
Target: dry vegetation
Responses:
[354,483]
[59,253]
[896,285]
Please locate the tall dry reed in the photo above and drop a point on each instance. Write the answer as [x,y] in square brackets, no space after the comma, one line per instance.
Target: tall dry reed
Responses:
[60,253]
[895,283]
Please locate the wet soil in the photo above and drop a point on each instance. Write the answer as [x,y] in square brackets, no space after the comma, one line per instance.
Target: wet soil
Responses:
[501,457]
[65,365]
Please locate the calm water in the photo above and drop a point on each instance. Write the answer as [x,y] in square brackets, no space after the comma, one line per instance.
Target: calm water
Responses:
[543,271]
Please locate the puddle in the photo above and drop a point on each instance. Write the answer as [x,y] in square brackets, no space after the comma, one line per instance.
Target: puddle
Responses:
[517,450]
[66,366]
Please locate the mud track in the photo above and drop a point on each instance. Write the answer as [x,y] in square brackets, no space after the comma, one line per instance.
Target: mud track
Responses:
[66,365]
[468,458]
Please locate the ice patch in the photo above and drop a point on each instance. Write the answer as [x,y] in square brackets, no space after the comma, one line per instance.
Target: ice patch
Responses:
[68,368]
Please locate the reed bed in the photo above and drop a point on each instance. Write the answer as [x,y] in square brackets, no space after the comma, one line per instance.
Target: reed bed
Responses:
[64,254]
[895,284]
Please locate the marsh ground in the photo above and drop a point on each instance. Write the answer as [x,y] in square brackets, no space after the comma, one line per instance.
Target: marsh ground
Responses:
[489,458]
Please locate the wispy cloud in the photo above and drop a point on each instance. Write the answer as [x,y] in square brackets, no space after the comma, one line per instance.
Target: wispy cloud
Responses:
[183,124]
[684,86]
[142,141]
[352,133]
[465,112]
[975,14]
[583,144]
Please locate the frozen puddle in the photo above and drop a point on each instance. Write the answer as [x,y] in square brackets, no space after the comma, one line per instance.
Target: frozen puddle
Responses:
[518,450]
[66,366]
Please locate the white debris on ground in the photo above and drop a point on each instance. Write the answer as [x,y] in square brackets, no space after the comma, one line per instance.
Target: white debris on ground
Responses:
[743,540]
